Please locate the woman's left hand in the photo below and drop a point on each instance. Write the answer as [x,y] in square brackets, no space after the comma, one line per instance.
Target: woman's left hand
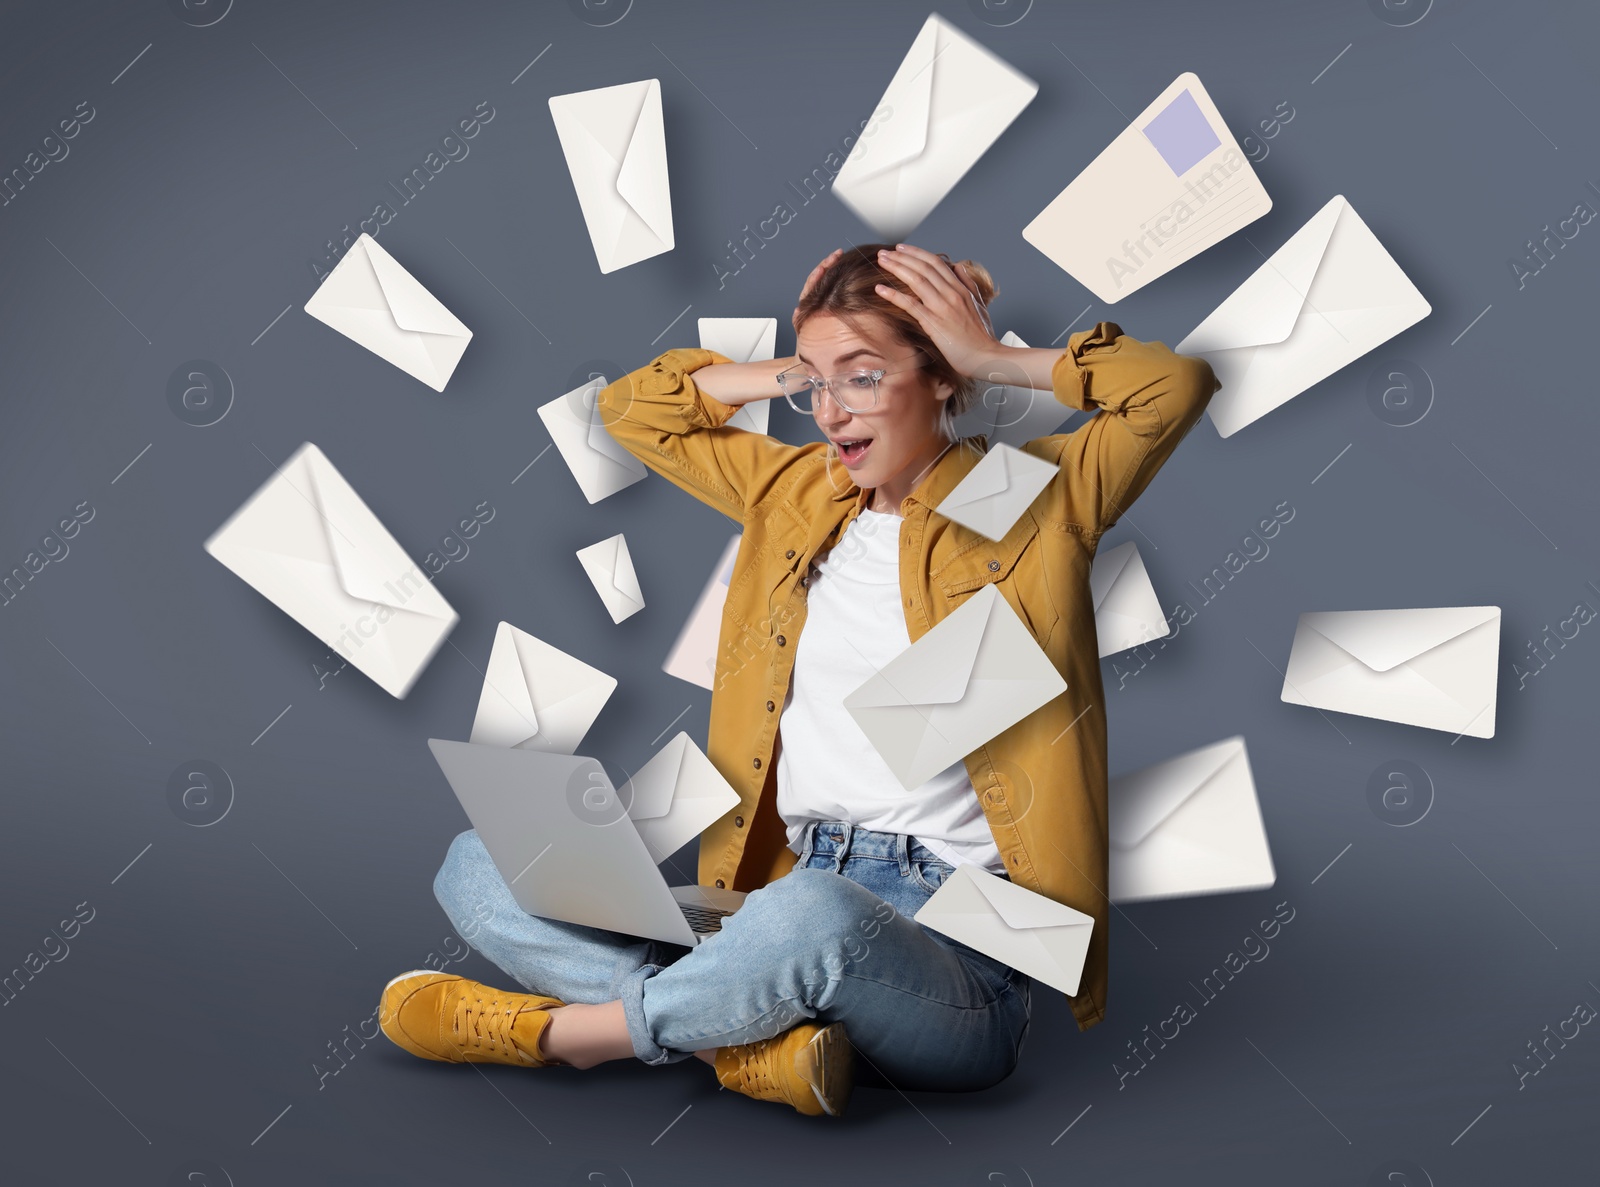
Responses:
[945,304]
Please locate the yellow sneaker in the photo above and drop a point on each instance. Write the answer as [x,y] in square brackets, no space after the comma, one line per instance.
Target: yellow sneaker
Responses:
[449,1018]
[810,1066]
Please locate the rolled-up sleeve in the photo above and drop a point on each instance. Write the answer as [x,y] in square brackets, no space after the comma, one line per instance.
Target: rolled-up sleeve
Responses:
[1144,396]
[659,415]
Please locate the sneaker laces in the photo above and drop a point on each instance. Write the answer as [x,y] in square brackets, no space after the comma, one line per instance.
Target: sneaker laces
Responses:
[486,1026]
[755,1074]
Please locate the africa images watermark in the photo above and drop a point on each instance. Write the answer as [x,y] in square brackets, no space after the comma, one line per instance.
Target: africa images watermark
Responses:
[453,148]
[1539,655]
[402,589]
[54,946]
[52,148]
[1582,1014]
[433,562]
[813,185]
[454,951]
[1254,946]
[53,547]
[1251,548]
[1542,253]
[1166,223]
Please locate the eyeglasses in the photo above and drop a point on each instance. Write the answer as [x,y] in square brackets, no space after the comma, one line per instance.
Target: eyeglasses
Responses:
[854,391]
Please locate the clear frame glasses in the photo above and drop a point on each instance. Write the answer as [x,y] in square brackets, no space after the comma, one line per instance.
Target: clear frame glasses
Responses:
[854,391]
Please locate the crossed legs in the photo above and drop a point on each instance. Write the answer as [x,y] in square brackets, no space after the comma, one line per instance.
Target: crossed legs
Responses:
[813,945]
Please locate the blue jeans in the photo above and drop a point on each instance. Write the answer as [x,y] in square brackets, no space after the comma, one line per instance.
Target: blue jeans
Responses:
[832,940]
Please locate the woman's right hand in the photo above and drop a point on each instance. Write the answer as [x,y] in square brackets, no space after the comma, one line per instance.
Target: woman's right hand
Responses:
[811,281]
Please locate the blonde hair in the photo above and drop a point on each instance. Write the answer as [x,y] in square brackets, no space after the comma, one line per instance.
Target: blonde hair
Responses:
[847,290]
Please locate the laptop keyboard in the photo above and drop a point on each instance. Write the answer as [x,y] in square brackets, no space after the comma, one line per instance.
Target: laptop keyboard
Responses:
[703,919]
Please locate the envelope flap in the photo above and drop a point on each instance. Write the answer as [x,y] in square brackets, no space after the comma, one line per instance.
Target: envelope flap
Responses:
[1107,567]
[990,477]
[700,781]
[594,128]
[607,116]
[1142,800]
[360,573]
[412,306]
[903,135]
[623,577]
[546,667]
[606,555]
[510,673]
[1383,639]
[936,668]
[742,339]
[642,181]
[1021,908]
[656,783]
[1361,285]
[596,434]
[580,407]
[1266,306]
[610,568]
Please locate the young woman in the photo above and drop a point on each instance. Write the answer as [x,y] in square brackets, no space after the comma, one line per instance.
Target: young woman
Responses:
[844,562]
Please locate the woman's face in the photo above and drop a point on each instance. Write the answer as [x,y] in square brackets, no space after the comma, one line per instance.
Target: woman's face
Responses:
[903,429]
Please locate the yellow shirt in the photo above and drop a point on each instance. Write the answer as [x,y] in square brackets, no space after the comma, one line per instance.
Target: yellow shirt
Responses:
[1042,782]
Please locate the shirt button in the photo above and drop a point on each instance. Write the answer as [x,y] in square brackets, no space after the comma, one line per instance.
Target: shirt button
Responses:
[738,822]
[781,641]
[769,706]
[757,763]
[789,556]
[994,566]
[720,885]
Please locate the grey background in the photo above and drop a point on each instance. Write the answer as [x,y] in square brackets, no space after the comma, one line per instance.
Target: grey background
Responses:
[199,1002]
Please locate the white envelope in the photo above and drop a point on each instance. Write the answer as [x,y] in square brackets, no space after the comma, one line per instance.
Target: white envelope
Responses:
[616,150]
[1437,668]
[1012,415]
[975,674]
[997,490]
[610,568]
[1017,926]
[949,101]
[372,300]
[1126,609]
[597,460]
[675,796]
[743,340]
[307,542]
[1321,301]
[537,697]
[1188,826]
[694,656]
[1172,184]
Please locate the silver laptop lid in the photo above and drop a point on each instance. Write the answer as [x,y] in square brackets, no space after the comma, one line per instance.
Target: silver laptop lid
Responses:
[561,838]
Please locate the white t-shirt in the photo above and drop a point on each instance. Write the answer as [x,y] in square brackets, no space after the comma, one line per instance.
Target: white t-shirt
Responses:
[827,769]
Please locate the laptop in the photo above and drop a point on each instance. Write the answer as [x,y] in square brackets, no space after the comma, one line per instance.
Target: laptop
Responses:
[561,838]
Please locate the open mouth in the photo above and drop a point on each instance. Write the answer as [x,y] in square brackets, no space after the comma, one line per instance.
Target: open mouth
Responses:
[852,451]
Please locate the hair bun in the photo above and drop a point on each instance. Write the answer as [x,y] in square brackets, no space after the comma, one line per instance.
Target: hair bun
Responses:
[981,280]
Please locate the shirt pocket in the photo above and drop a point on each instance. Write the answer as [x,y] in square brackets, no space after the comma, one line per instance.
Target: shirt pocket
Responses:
[781,556]
[1013,563]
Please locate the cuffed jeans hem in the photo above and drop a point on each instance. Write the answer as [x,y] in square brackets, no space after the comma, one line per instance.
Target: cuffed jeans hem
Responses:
[631,993]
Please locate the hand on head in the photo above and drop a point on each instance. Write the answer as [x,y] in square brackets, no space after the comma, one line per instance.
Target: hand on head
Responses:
[811,281]
[949,301]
